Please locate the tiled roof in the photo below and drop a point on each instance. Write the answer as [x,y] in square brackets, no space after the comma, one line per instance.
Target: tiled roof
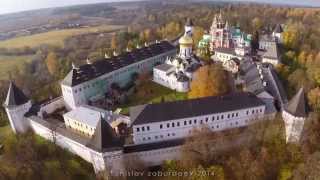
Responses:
[15,96]
[104,137]
[271,52]
[225,50]
[90,71]
[151,113]
[278,29]
[297,105]
[189,22]
[164,67]
[153,146]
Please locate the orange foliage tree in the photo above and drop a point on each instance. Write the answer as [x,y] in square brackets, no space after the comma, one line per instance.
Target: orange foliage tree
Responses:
[210,80]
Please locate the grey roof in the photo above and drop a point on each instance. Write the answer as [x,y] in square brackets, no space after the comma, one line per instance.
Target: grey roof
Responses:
[151,113]
[225,50]
[267,38]
[163,67]
[153,146]
[189,22]
[297,105]
[15,96]
[278,29]
[271,52]
[100,67]
[70,79]
[182,77]
[104,137]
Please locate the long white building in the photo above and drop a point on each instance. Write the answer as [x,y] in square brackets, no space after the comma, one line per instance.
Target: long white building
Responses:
[92,80]
[174,120]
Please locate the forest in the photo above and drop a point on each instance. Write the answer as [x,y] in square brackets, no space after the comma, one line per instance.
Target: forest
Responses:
[266,156]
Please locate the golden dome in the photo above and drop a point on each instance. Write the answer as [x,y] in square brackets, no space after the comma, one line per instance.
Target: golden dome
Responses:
[186,40]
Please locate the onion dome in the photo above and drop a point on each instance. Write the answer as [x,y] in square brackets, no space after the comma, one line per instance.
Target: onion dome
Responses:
[186,40]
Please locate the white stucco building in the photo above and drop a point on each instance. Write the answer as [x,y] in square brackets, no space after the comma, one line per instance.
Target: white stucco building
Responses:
[174,120]
[177,72]
[92,80]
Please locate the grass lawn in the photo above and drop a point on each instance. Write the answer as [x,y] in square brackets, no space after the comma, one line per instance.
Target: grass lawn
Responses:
[151,92]
[8,63]
[4,132]
[55,37]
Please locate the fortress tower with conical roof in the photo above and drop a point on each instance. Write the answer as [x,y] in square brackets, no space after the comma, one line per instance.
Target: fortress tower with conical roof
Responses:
[294,116]
[17,104]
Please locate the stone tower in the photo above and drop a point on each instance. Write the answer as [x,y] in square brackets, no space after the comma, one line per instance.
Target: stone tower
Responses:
[186,43]
[277,33]
[294,116]
[16,105]
[188,28]
[220,33]
[103,141]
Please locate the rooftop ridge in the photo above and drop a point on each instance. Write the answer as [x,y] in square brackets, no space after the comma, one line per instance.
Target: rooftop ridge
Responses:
[103,66]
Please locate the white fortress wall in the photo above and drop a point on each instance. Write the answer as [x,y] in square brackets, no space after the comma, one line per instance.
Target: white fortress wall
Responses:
[52,105]
[60,139]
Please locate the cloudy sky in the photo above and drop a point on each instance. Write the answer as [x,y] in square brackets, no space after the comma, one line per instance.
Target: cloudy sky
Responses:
[9,6]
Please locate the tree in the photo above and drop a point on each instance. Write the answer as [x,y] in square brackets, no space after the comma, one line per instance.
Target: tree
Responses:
[257,23]
[210,80]
[314,99]
[300,79]
[197,34]
[309,169]
[114,42]
[52,63]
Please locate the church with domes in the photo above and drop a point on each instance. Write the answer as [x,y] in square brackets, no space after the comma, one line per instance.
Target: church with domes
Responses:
[177,72]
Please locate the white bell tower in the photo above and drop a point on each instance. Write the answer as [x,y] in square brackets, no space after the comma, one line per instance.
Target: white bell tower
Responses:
[188,28]
[16,105]
[186,43]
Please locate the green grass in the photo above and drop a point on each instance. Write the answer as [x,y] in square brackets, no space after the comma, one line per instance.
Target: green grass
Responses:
[55,37]
[151,92]
[5,131]
[8,63]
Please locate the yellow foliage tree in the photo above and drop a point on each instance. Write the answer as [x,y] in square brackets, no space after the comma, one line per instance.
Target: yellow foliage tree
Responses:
[52,63]
[257,23]
[314,98]
[210,80]
[197,34]
[114,42]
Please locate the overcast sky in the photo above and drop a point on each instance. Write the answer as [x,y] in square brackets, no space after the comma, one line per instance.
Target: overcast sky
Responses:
[9,6]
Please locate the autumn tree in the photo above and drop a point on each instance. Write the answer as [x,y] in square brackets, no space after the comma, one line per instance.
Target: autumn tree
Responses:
[257,23]
[314,98]
[309,169]
[52,63]
[197,35]
[210,80]
[114,42]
